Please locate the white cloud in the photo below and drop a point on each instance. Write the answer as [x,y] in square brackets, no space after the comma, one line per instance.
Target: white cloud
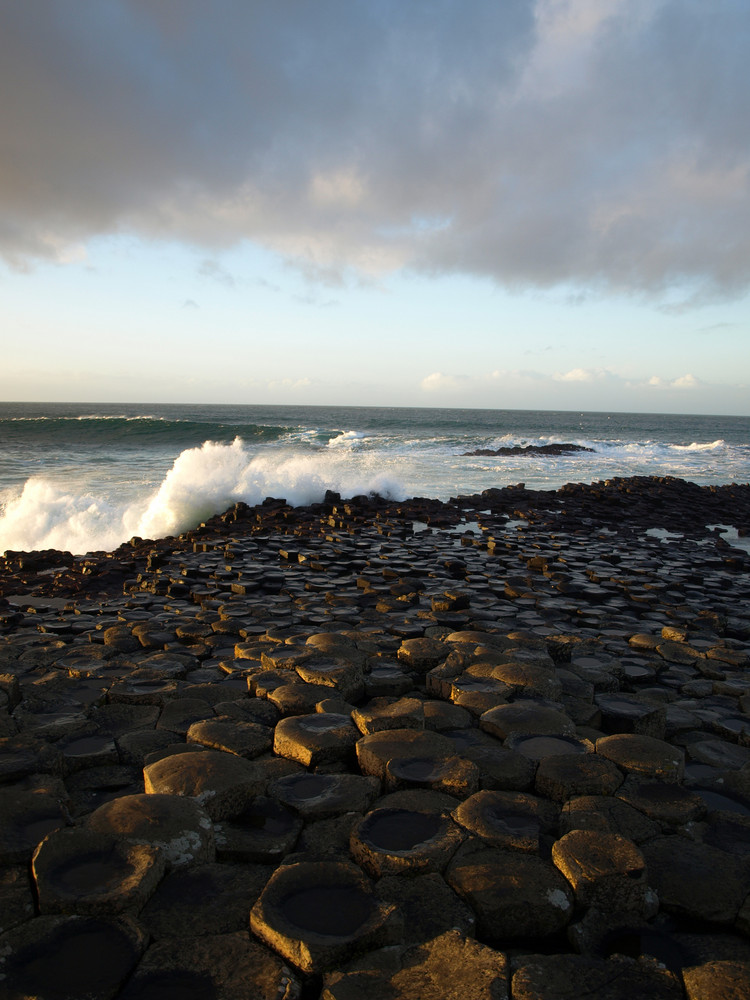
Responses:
[596,144]
[581,375]
[438,383]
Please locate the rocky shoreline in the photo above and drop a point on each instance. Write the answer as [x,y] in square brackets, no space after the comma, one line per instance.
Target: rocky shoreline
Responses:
[494,747]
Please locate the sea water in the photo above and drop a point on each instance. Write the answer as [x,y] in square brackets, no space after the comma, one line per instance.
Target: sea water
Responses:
[87,477]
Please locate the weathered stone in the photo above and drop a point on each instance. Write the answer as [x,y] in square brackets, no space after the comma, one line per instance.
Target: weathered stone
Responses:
[88,873]
[453,775]
[190,902]
[386,713]
[643,756]
[568,977]
[26,817]
[318,915]
[510,820]
[220,782]
[514,895]
[321,796]
[263,832]
[526,717]
[696,880]
[226,966]
[179,826]
[375,750]
[245,739]
[562,777]
[393,841]
[450,965]
[604,869]
[88,958]
[312,740]
[718,981]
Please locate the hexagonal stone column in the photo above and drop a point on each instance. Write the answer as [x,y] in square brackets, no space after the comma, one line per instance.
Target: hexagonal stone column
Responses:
[177,825]
[83,872]
[318,915]
[320,738]
[221,782]
[514,895]
[604,869]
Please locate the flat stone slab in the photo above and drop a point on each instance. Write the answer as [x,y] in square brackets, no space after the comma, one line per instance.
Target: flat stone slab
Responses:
[450,965]
[86,958]
[318,915]
[514,895]
[179,826]
[212,967]
[526,717]
[604,869]
[82,872]
[374,751]
[509,820]
[320,738]
[562,777]
[568,977]
[245,739]
[220,782]
[215,898]
[643,756]
[697,881]
[320,796]
[263,832]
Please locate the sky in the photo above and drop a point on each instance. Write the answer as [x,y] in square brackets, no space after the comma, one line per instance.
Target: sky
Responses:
[536,204]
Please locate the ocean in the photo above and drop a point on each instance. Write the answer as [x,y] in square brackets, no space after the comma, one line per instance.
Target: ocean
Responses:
[86,477]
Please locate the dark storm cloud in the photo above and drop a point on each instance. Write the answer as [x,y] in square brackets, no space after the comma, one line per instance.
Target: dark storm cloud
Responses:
[603,143]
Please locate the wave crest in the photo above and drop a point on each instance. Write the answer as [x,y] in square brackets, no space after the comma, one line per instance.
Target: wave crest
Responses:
[202,482]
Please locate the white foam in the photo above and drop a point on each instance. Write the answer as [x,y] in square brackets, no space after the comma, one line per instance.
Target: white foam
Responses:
[346,439]
[202,482]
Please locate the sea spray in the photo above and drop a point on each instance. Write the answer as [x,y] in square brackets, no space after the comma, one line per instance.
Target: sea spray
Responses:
[89,476]
[202,482]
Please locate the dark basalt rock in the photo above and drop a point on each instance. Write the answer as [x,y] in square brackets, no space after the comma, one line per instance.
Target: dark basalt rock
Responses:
[309,687]
[530,449]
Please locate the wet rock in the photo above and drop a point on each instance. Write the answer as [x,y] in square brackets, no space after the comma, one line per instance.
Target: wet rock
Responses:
[318,915]
[85,872]
[88,958]
[397,841]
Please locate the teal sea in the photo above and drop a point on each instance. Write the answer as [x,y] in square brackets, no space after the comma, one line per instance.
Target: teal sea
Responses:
[88,476]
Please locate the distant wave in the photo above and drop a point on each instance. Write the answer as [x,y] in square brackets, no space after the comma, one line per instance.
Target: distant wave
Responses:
[130,430]
[202,482]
